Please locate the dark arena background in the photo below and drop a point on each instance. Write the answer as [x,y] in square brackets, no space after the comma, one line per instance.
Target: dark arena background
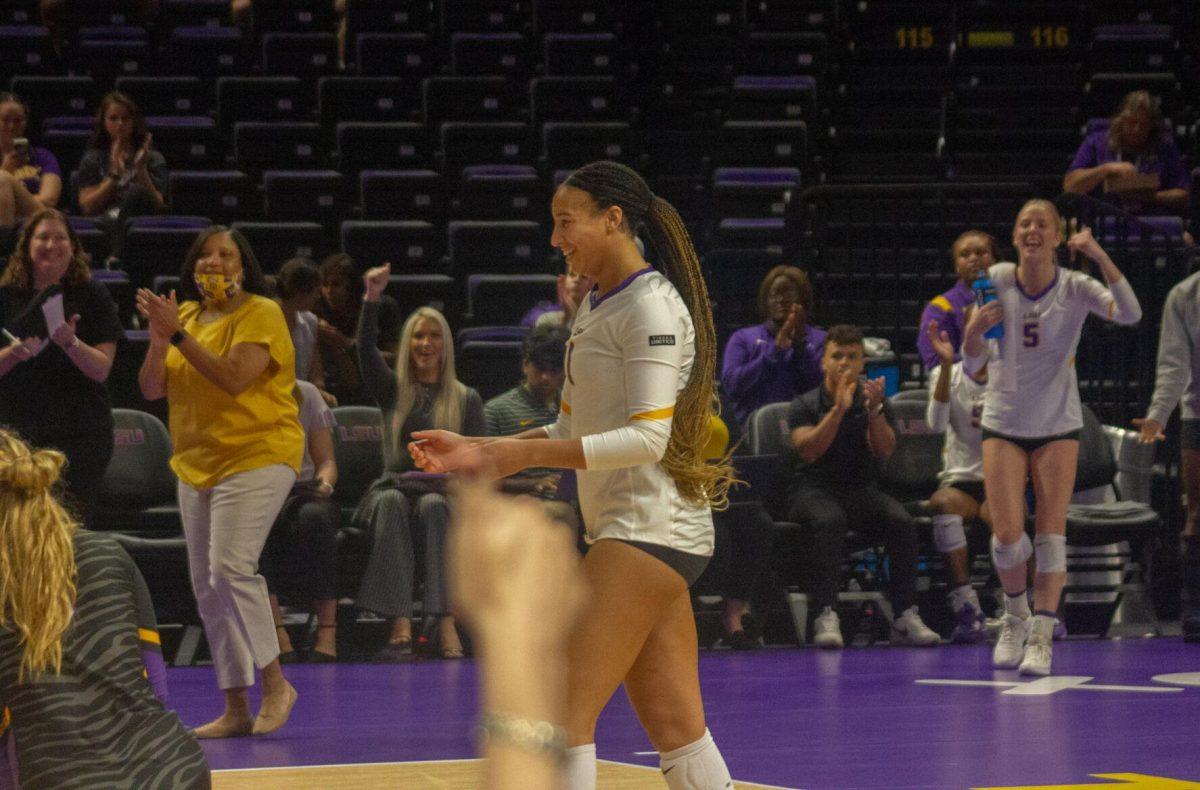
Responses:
[854,139]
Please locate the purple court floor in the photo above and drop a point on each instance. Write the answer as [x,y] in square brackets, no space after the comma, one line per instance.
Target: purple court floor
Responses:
[865,718]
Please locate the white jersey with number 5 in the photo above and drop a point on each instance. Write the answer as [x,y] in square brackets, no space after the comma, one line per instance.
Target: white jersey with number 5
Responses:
[629,356]
[1032,389]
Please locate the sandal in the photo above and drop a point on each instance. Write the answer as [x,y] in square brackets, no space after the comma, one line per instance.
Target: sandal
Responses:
[319,656]
[290,656]
[395,652]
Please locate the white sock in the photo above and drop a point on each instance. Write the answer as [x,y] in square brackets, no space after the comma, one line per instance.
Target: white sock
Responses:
[581,767]
[697,766]
[964,595]
[1017,605]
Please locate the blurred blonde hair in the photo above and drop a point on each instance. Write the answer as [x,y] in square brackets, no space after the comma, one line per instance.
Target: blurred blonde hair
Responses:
[37,555]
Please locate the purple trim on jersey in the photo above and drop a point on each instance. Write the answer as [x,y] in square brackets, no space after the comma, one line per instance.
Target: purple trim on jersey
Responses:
[1043,292]
[156,672]
[41,162]
[537,311]
[952,323]
[599,300]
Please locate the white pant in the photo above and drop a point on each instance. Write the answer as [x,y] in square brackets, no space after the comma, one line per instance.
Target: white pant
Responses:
[226,527]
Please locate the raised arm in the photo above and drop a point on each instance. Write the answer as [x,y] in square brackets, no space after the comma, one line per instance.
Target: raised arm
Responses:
[377,377]
[1117,303]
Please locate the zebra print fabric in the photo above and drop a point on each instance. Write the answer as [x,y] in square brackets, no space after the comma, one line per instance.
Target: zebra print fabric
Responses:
[98,723]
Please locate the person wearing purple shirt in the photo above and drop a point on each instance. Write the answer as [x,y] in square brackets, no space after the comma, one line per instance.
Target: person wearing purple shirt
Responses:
[973,252]
[780,358]
[1133,143]
[36,168]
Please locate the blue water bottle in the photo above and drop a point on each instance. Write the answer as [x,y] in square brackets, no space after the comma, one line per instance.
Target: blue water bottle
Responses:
[986,292]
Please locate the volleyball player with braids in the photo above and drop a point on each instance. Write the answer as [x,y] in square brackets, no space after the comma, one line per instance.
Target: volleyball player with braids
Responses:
[635,416]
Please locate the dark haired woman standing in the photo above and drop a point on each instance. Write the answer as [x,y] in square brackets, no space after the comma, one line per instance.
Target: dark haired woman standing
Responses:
[636,415]
[224,361]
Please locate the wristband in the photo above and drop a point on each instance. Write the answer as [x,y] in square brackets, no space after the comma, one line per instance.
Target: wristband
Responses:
[74,342]
[875,412]
[540,737]
[177,337]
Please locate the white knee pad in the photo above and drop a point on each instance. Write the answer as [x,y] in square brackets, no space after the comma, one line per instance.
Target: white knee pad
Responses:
[1051,553]
[697,766]
[1010,555]
[948,533]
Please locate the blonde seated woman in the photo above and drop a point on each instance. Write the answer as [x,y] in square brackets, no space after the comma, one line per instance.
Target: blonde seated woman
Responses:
[80,662]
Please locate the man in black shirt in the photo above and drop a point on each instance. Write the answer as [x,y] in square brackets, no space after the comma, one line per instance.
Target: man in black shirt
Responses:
[842,431]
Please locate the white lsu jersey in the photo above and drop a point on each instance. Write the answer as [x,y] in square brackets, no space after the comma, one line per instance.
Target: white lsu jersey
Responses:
[1032,389]
[960,418]
[629,356]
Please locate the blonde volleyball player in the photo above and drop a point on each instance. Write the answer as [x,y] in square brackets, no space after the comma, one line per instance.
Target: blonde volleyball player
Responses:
[636,407]
[1031,414]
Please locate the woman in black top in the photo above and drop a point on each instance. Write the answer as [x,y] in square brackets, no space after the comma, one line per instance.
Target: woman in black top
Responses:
[422,393]
[52,382]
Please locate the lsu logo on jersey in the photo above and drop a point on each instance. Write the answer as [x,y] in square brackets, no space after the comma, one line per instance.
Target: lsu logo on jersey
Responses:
[662,340]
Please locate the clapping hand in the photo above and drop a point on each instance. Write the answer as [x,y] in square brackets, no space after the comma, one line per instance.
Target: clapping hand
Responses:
[139,159]
[872,390]
[843,397]
[161,312]
[64,336]
[1149,431]
[786,336]
[27,349]
[940,341]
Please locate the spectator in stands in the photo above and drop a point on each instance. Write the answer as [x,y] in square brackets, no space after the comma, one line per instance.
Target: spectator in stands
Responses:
[422,393]
[301,553]
[973,252]
[532,404]
[338,314]
[572,288]
[1032,415]
[1135,142]
[225,363]
[35,167]
[298,289]
[121,175]
[52,383]
[842,430]
[78,638]
[955,406]
[780,358]
[58,16]
[1177,379]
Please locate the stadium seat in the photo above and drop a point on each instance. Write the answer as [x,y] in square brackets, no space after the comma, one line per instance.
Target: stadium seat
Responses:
[797,16]
[186,141]
[303,195]
[579,99]
[412,194]
[439,291]
[483,16]
[25,49]
[753,192]
[763,144]
[1104,91]
[157,245]
[304,55]
[490,366]
[262,99]
[358,452]
[466,144]
[392,146]
[568,145]
[575,17]
[497,247]
[910,474]
[137,492]
[278,146]
[782,53]
[409,56]
[500,54]
[1133,48]
[51,96]
[163,95]
[293,16]
[772,98]
[477,99]
[276,242]
[225,195]
[378,99]
[386,16]
[581,54]
[751,233]
[500,192]
[105,60]
[502,299]
[206,52]
[192,13]
[733,279]
[411,247]
[122,291]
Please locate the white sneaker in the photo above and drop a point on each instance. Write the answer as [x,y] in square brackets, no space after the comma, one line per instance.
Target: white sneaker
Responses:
[1040,647]
[909,629]
[1010,645]
[827,630]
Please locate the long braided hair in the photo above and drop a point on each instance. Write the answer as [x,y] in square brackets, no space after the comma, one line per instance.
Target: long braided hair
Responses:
[37,556]
[700,482]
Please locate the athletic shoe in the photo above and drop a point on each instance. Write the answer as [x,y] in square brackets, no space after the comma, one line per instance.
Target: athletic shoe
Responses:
[827,630]
[1060,630]
[1010,645]
[970,626]
[1039,648]
[910,629]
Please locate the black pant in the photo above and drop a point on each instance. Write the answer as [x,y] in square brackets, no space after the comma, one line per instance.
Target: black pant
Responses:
[830,512]
[138,202]
[747,530]
[88,453]
[300,555]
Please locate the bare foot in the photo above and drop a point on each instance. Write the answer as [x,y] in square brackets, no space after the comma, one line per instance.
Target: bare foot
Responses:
[275,710]
[228,725]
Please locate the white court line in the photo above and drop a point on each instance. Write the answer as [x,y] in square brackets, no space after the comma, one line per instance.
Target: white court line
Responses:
[348,765]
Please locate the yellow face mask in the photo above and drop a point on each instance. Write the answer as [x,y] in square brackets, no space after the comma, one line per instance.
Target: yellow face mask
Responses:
[218,287]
